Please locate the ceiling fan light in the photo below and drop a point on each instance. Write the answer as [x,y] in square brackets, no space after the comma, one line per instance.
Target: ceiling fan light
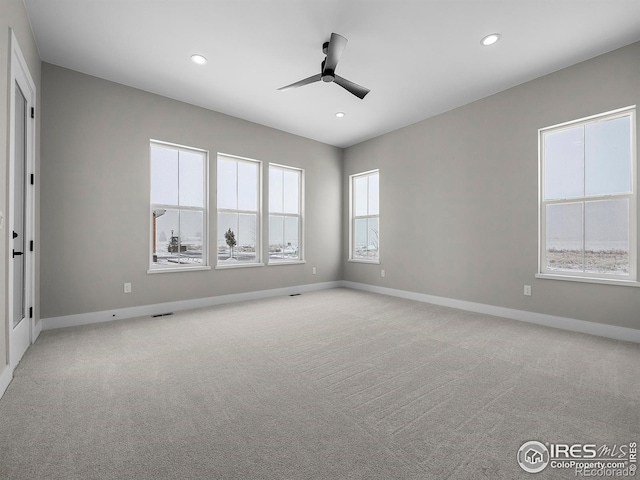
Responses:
[490,39]
[198,59]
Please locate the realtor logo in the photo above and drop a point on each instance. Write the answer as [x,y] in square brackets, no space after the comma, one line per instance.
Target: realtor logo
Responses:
[533,457]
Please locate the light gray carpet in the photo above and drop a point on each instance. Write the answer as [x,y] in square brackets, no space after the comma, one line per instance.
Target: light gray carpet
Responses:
[333,384]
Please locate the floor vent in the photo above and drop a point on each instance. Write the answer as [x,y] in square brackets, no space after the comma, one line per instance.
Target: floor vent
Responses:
[162,315]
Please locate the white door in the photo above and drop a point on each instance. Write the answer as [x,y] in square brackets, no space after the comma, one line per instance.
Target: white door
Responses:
[22,144]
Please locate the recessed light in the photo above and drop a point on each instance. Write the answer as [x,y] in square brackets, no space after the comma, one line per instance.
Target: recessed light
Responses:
[490,39]
[198,59]
[340,114]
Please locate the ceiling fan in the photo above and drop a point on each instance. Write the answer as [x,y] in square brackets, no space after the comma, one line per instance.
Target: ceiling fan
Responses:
[332,49]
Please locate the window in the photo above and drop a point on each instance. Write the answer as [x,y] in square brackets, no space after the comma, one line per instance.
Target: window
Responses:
[364,230]
[178,207]
[285,214]
[238,211]
[588,198]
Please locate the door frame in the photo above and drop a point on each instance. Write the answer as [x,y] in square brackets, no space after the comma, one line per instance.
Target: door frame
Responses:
[19,339]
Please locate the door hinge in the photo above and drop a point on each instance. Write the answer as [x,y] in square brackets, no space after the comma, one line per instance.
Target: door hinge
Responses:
[30,312]
[33,179]
[33,112]
[31,245]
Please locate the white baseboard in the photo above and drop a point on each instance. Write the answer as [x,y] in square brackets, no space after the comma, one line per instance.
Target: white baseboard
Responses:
[582,326]
[5,379]
[146,310]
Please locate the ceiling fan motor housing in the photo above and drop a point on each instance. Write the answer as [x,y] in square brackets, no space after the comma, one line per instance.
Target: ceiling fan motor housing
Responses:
[327,75]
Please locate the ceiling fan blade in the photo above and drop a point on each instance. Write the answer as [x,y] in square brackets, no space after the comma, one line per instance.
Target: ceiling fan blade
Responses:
[336,47]
[306,81]
[358,90]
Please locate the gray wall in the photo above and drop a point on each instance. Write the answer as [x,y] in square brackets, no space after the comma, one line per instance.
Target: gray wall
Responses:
[459,201]
[95,196]
[458,196]
[13,16]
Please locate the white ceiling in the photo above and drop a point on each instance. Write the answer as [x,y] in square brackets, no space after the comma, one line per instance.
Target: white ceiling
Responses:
[419,58]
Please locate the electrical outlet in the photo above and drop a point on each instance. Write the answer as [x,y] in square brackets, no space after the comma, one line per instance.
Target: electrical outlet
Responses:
[382,273]
[313,270]
[127,288]
[527,290]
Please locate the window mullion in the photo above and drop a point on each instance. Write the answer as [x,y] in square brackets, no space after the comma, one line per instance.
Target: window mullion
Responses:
[584,222]
[235,210]
[284,228]
[176,207]
[584,194]
[591,198]
[584,161]
[368,182]
[237,185]
[282,183]
[179,212]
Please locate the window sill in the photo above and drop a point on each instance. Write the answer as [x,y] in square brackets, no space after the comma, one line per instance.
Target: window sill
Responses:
[178,269]
[602,281]
[359,260]
[286,262]
[238,265]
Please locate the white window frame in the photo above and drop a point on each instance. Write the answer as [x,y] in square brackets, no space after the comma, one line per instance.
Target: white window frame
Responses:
[258,262]
[299,216]
[153,268]
[353,218]
[610,279]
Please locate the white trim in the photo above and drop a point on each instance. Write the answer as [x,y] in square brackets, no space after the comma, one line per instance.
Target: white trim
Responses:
[363,260]
[145,310]
[353,216]
[237,157]
[174,145]
[632,196]
[206,262]
[299,215]
[37,330]
[5,379]
[182,268]
[259,204]
[19,73]
[602,281]
[239,265]
[285,262]
[581,326]
[597,117]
